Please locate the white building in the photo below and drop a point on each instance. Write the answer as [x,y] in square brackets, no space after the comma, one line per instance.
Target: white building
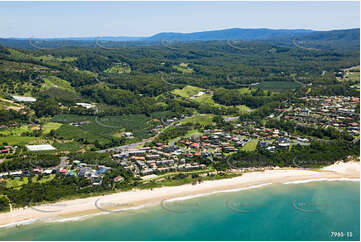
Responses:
[24,99]
[39,147]
[86,105]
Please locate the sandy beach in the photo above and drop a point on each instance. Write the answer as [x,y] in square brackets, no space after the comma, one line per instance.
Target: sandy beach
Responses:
[66,210]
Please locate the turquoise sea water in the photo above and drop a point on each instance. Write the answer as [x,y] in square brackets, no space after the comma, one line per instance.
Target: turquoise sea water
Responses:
[309,211]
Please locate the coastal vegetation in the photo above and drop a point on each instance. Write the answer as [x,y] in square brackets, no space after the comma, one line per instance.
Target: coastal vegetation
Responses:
[147,116]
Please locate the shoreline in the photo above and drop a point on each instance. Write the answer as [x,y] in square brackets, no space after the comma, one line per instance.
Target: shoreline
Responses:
[70,210]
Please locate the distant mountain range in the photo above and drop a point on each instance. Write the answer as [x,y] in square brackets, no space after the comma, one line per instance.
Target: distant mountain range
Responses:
[312,37]
[230,34]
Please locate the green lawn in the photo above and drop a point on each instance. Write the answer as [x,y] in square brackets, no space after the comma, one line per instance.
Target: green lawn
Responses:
[51,126]
[16,130]
[207,99]
[68,146]
[10,183]
[53,81]
[244,108]
[13,183]
[183,68]
[353,76]
[245,90]
[251,145]
[56,59]
[17,140]
[103,128]
[119,68]
[187,91]
[204,119]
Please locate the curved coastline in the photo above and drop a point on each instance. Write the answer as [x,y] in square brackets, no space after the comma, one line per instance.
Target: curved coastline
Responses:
[84,208]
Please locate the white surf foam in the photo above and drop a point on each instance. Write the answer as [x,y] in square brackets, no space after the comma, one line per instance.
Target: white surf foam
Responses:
[324,179]
[25,222]
[216,192]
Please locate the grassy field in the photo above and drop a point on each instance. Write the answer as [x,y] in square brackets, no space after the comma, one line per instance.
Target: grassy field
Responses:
[245,90]
[251,145]
[103,128]
[16,130]
[207,99]
[56,59]
[204,119]
[187,91]
[13,183]
[51,126]
[17,140]
[8,104]
[68,146]
[119,68]
[353,75]
[183,68]
[53,81]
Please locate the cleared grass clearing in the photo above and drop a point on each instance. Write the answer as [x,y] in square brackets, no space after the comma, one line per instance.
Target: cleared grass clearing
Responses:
[9,104]
[244,108]
[119,68]
[187,91]
[251,145]
[51,126]
[103,128]
[17,140]
[245,90]
[56,59]
[183,68]
[207,99]
[53,81]
[353,76]
[16,183]
[68,146]
[203,119]
[16,130]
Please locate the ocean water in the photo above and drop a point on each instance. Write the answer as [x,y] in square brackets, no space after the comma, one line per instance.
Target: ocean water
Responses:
[323,210]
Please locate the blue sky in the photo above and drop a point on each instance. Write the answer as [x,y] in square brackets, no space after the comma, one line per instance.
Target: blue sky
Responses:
[81,19]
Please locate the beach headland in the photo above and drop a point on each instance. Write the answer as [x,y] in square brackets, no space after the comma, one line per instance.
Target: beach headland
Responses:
[135,199]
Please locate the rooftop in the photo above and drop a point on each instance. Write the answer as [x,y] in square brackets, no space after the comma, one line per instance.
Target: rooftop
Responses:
[40,147]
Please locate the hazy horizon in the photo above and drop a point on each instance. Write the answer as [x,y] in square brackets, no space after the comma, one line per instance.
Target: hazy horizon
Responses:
[143,19]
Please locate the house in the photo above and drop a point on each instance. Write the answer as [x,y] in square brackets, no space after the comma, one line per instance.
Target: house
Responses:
[146,172]
[76,124]
[271,148]
[86,105]
[128,134]
[101,171]
[4,151]
[284,145]
[37,170]
[96,180]
[304,140]
[48,172]
[263,144]
[140,163]
[86,172]
[63,171]
[118,179]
